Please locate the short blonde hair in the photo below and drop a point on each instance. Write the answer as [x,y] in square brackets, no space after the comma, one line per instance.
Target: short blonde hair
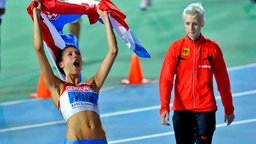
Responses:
[194,9]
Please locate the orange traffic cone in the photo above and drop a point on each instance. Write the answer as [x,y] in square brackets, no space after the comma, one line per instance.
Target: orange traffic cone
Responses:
[42,91]
[135,74]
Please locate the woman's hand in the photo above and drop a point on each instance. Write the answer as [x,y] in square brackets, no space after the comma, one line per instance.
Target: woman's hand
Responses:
[229,118]
[102,14]
[37,5]
[165,118]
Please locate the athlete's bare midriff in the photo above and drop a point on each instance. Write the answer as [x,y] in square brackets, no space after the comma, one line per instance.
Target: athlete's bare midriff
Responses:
[85,125]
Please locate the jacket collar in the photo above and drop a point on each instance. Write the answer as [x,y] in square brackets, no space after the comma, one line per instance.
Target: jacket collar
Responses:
[198,41]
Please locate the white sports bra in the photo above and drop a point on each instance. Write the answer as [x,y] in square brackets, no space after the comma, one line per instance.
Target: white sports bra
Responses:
[75,99]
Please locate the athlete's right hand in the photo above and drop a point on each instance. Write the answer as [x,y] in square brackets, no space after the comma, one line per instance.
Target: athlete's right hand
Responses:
[165,118]
[37,5]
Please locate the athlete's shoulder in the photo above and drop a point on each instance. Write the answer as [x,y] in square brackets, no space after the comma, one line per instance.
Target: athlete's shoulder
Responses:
[211,42]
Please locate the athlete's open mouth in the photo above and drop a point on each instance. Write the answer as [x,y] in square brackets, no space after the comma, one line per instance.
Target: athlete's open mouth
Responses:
[76,63]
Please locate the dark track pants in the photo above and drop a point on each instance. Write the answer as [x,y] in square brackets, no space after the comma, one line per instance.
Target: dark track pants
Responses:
[194,127]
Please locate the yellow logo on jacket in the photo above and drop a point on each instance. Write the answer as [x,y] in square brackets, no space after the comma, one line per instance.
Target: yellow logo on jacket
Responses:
[185,51]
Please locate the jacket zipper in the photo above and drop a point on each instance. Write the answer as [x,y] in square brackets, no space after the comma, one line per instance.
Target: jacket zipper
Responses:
[193,75]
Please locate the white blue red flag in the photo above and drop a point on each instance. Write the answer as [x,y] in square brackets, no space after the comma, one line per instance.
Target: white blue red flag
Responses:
[56,14]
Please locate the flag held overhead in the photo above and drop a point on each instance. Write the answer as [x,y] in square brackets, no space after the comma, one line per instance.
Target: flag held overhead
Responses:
[55,14]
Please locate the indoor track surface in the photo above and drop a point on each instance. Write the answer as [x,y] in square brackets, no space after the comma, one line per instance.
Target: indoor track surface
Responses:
[130,115]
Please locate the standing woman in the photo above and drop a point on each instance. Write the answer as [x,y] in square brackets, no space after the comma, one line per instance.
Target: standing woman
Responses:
[78,102]
[188,68]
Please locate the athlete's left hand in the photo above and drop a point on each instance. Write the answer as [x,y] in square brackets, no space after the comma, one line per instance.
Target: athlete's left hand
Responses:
[229,118]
